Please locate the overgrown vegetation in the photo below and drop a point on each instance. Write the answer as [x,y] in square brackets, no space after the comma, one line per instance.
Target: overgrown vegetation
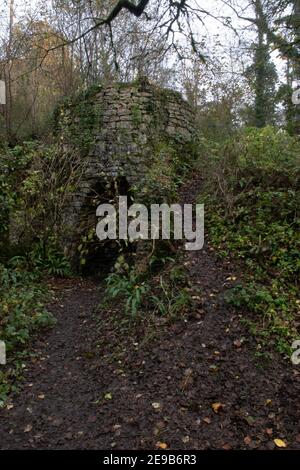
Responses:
[75,120]
[166,294]
[252,214]
[22,313]
[128,287]
[35,183]
[31,198]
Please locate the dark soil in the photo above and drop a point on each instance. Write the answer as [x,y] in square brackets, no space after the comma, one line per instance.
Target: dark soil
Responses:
[194,384]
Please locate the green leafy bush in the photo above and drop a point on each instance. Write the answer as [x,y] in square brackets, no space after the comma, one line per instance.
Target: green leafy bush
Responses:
[170,299]
[48,258]
[252,214]
[275,308]
[22,313]
[166,295]
[13,163]
[35,184]
[130,288]
[43,258]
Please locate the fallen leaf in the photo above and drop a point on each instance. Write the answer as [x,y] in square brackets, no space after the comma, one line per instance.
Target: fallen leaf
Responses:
[116,427]
[247,440]
[108,396]
[280,443]
[250,420]
[226,447]
[156,405]
[41,396]
[269,402]
[237,343]
[161,445]
[186,439]
[28,428]
[217,407]
[207,420]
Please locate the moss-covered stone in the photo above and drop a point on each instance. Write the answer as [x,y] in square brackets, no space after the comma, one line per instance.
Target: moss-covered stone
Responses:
[136,132]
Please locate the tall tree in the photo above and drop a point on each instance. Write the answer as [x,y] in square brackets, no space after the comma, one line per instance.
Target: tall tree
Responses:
[8,70]
[280,20]
[262,73]
[296,62]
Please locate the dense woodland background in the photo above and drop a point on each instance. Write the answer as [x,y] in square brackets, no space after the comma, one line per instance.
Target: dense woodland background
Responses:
[238,64]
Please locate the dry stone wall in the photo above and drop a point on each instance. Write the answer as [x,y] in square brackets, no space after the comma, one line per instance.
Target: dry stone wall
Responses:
[133,130]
